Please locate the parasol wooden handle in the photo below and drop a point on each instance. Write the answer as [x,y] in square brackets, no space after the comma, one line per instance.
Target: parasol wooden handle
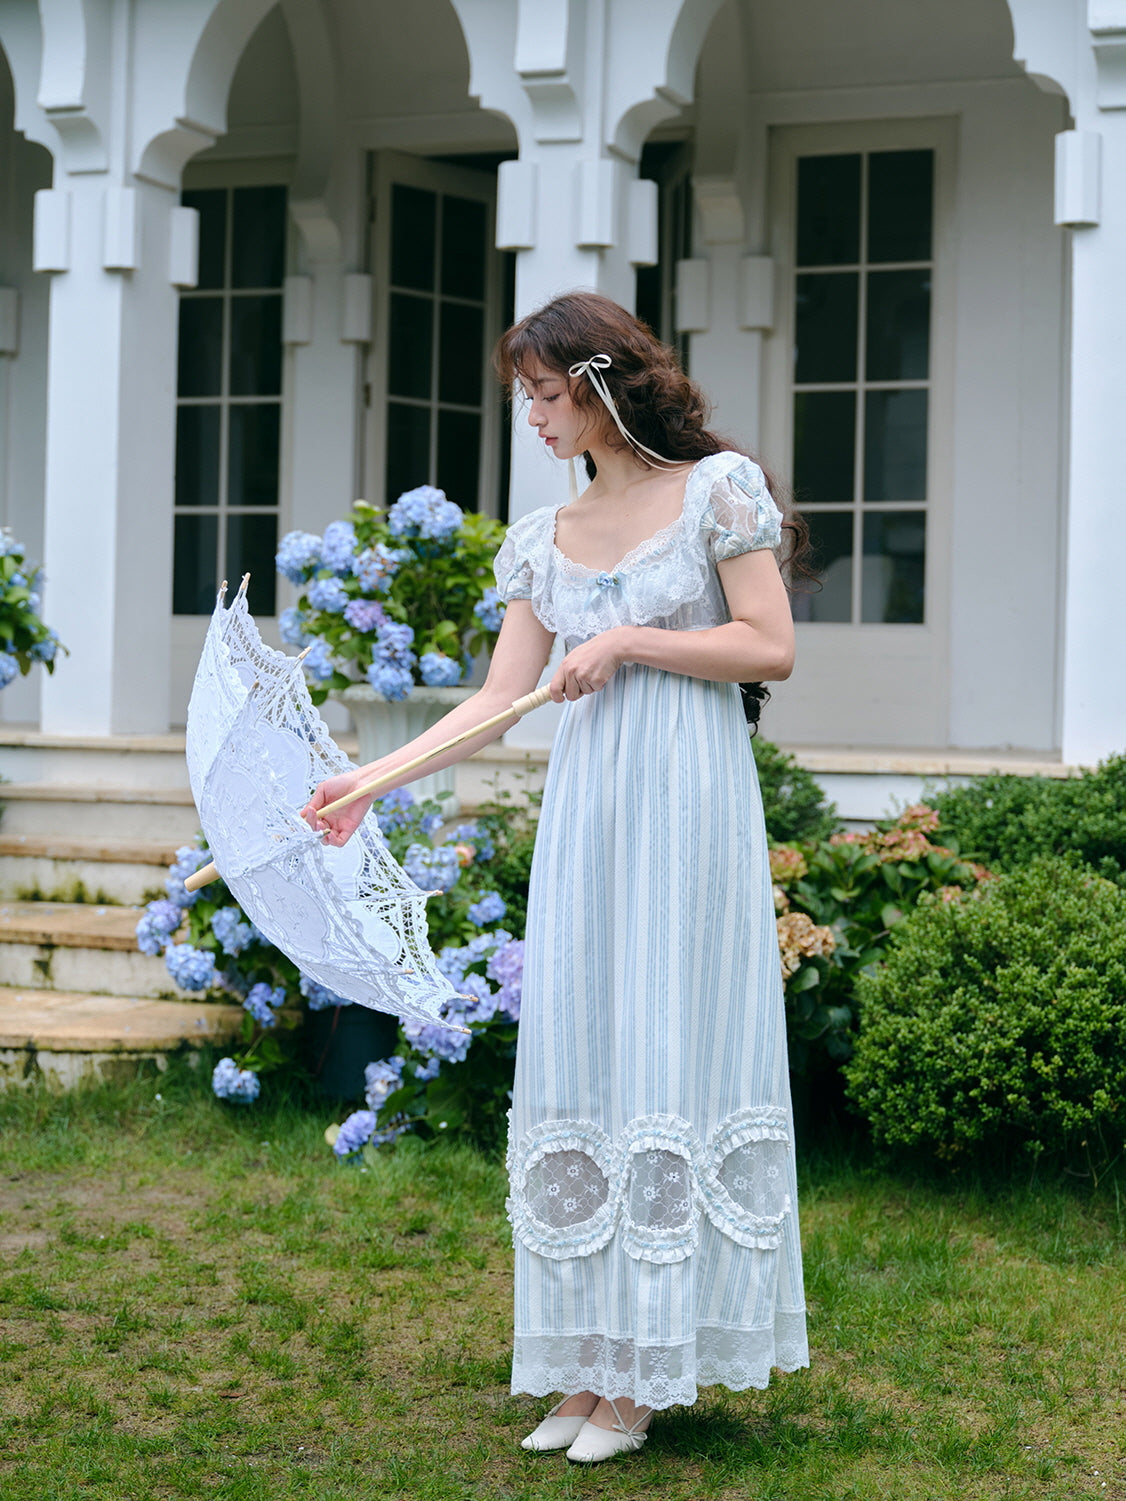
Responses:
[517,710]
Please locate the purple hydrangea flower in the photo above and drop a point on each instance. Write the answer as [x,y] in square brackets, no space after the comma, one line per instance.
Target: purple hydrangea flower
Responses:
[320,998]
[318,663]
[424,512]
[291,627]
[191,968]
[438,670]
[230,1082]
[364,615]
[188,861]
[490,908]
[354,1133]
[158,922]
[232,930]
[489,610]
[432,869]
[382,1079]
[261,1001]
[298,554]
[329,595]
[338,547]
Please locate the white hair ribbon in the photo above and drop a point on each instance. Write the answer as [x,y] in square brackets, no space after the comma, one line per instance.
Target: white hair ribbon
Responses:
[591,368]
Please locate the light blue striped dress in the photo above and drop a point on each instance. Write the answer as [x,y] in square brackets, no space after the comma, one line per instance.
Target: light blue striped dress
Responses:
[653,1197]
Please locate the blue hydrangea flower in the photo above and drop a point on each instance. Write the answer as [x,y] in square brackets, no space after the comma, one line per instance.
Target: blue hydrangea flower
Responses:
[354,1133]
[318,663]
[507,964]
[430,823]
[9,547]
[388,678]
[299,553]
[17,581]
[327,594]
[47,650]
[438,670]
[381,1080]
[451,962]
[396,640]
[482,1007]
[376,566]
[424,512]
[34,600]
[474,834]
[424,1072]
[364,615]
[438,1042]
[392,809]
[338,547]
[432,869]
[291,627]
[230,1082]
[320,998]
[489,610]
[188,861]
[261,1001]
[159,921]
[9,668]
[490,908]
[232,931]
[191,968]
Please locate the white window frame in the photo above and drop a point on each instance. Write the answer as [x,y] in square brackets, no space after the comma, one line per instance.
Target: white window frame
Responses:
[868,682]
[391,168]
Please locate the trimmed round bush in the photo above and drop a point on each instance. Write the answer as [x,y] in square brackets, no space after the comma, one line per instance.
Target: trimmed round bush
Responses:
[793,804]
[999,1019]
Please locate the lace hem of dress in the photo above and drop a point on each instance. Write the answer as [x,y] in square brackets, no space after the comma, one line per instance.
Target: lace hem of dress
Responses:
[659,1376]
[573,1187]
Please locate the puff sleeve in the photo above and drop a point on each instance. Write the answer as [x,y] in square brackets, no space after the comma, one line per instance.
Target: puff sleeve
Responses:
[513,562]
[741,515]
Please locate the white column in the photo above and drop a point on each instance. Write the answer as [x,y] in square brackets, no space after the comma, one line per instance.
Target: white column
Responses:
[110,452]
[1093,699]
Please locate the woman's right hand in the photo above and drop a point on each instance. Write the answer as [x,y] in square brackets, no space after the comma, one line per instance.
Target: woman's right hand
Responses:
[338,827]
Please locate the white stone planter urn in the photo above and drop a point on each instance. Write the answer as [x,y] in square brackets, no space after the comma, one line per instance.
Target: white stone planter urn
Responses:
[383,725]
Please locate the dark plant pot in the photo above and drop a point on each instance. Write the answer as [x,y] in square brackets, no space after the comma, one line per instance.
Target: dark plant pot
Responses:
[341,1041]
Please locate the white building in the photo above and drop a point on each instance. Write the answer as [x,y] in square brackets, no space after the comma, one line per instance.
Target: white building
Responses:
[253,256]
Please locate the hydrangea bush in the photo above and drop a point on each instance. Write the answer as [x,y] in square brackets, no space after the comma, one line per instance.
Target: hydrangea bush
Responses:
[441,1079]
[394,598]
[24,637]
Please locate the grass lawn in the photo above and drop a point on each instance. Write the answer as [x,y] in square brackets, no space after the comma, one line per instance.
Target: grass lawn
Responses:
[196,1300]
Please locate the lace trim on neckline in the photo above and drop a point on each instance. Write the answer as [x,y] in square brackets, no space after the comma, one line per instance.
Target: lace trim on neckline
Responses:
[650,544]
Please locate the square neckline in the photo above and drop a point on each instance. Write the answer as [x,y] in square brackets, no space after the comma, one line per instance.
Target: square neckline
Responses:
[633,555]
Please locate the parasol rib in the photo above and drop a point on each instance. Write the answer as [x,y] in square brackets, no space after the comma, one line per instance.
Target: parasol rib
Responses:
[516,710]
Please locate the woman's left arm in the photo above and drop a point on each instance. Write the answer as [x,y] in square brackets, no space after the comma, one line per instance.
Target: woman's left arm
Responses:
[755,645]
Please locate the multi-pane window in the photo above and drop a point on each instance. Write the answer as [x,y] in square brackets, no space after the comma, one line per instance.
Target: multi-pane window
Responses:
[228,412]
[670,166]
[861,380]
[438,336]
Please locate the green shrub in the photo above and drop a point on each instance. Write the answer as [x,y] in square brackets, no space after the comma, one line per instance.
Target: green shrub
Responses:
[1008,821]
[793,803]
[998,1020]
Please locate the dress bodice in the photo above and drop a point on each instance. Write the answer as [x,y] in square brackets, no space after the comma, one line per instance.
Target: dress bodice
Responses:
[669,580]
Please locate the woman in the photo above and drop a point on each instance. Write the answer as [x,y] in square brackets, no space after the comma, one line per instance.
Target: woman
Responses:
[650,1153]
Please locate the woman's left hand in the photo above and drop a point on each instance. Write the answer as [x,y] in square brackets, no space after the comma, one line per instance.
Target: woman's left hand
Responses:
[590,666]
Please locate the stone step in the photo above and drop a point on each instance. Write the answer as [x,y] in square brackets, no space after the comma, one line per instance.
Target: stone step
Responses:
[69,810]
[28,754]
[79,947]
[66,1037]
[83,869]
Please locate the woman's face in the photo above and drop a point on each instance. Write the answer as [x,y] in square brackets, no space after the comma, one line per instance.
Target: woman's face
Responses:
[564,428]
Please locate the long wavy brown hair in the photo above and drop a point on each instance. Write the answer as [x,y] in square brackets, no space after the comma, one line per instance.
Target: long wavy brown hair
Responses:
[655,399]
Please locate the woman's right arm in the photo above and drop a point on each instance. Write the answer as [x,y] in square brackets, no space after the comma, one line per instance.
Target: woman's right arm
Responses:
[518,660]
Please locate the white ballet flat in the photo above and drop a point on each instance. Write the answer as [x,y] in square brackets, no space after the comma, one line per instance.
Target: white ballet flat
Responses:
[594,1444]
[554,1432]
